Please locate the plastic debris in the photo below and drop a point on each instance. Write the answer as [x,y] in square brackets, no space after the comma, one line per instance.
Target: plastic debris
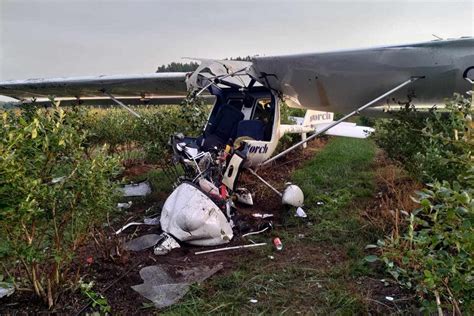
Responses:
[147,221]
[167,244]
[271,257]
[253,301]
[230,248]
[164,288]
[142,242]
[300,213]
[124,205]
[137,189]
[208,187]
[6,289]
[389,298]
[244,196]
[191,216]
[277,243]
[257,232]
[258,215]
[292,195]
[319,203]
[57,180]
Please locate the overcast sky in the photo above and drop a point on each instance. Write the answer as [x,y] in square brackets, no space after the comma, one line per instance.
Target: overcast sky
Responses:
[81,37]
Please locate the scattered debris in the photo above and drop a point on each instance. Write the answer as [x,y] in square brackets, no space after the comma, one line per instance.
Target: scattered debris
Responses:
[165,289]
[57,180]
[244,196]
[269,226]
[300,213]
[292,195]
[137,189]
[253,301]
[6,289]
[147,221]
[258,215]
[191,216]
[124,205]
[277,243]
[319,203]
[165,245]
[143,242]
[230,248]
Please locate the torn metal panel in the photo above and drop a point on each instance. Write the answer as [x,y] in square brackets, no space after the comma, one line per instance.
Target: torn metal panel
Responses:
[339,81]
[191,216]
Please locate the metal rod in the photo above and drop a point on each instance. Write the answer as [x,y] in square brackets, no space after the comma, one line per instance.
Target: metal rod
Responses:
[412,79]
[230,248]
[121,104]
[265,182]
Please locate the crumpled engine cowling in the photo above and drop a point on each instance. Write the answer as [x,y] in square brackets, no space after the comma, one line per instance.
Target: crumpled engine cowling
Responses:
[191,216]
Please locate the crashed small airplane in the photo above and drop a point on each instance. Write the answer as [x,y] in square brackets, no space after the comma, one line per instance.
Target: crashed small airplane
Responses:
[243,128]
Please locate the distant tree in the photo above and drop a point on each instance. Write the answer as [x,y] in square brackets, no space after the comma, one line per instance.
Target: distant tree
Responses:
[178,67]
[191,66]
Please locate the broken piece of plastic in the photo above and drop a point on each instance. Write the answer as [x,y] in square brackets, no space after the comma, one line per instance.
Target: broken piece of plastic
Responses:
[257,232]
[300,213]
[6,289]
[244,196]
[230,248]
[166,244]
[146,221]
[124,205]
[137,189]
[191,216]
[258,215]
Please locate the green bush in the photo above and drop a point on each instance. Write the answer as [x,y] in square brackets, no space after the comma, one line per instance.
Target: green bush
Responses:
[434,256]
[150,133]
[51,193]
[432,146]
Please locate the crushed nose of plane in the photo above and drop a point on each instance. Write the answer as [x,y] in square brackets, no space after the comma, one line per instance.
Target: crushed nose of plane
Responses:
[293,195]
[191,216]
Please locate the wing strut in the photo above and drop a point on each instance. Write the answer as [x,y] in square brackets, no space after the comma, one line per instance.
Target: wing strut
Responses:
[304,141]
[121,104]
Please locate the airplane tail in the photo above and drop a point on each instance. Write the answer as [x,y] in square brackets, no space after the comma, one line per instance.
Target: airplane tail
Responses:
[315,121]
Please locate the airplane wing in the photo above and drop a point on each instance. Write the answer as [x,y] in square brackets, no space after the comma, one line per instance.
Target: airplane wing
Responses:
[345,80]
[133,87]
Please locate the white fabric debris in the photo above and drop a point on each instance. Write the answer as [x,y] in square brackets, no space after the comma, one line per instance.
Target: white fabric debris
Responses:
[192,217]
[166,245]
[137,189]
[164,288]
[6,289]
